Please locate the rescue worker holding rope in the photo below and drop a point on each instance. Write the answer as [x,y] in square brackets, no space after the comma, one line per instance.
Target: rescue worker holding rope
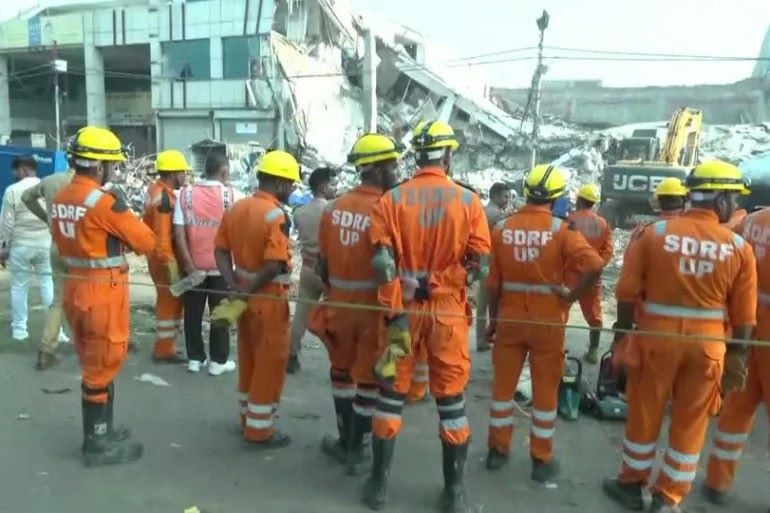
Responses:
[598,233]
[253,238]
[353,337]
[531,250]
[691,274]
[172,167]
[92,230]
[433,232]
[737,415]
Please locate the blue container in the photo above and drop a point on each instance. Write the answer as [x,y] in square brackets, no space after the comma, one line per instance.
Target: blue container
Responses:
[48,162]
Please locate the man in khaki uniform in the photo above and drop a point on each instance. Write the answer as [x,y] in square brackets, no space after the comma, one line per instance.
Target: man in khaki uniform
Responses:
[47,189]
[307,218]
[496,210]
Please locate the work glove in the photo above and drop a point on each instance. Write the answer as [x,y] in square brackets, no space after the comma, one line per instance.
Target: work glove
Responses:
[385,368]
[398,334]
[228,311]
[734,376]
[384,265]
[172,268]
[476,268]
[192,280]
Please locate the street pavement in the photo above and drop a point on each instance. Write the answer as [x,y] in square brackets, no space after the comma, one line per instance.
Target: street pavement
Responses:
[194,455]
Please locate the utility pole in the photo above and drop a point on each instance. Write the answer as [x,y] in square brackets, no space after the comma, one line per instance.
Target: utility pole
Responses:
[59,66]
[542,24]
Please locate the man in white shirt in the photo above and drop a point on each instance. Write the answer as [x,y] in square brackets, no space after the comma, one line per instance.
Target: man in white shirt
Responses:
[25,243]
[197,214]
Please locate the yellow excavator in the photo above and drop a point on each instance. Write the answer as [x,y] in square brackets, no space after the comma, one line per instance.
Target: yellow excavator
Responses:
[642,162]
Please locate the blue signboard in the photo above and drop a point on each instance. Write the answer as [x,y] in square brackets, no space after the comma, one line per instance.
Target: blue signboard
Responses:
[34,31]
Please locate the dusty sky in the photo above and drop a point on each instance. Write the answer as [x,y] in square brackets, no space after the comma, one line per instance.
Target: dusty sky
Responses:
[467,28]
[705,27]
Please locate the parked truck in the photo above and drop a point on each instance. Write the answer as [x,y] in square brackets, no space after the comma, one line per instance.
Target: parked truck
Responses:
[642,162]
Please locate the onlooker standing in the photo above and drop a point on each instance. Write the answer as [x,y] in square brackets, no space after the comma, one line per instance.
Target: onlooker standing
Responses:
[496,210]
[25,242]
[307,218]
[197,215]
[46,190]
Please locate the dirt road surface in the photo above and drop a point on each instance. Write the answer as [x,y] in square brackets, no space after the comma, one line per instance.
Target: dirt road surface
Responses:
[194,455]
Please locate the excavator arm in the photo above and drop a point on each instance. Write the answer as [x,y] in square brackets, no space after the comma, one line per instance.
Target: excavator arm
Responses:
[681,145]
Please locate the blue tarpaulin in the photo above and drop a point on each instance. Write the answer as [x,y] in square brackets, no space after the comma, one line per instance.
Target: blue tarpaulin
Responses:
[48,162]
[299,198]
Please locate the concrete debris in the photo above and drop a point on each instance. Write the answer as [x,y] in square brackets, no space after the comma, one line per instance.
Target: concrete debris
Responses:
[152,379]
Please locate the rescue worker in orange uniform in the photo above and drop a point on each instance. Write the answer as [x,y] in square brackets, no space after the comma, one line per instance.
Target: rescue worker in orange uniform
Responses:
[172,167]
[691,274]
[531,250]
[253,255]
[431,231]
[598,233]
[737,415]
[92,229]
[353,336]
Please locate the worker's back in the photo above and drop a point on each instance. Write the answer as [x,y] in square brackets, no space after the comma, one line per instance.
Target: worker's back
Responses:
[91,227]
[255,230]
[435,223]
[344,241]
[594,227]
[689,267]
[755,228]
[531,251]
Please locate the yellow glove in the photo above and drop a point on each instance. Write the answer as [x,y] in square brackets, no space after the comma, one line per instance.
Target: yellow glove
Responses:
[172,268]
[228,311]
[398,334]
[734,376]
[385,368]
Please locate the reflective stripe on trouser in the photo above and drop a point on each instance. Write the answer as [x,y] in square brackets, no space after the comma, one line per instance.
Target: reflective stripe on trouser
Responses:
[310,289]
[263,350]
[343,392]
[168,312]
[97,308]
[445,341]
[364,406]
[545,346]
[737,418]
[49,341]
[387,414]
[689,374]
[453,423]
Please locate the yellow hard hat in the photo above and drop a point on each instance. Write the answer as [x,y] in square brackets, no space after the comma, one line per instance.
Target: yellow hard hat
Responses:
[171,161]
[96,143]
[371,148]
[432,135]
[589,192]
[716,175]
[545,182]
[670,187]
[280,164]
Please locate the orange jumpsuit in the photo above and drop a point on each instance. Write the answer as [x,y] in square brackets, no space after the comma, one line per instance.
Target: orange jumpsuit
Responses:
[598,233]
[737,415]
[431,224]
[530,252]
[736,219]
[254,231]
[691,272]
[92,229]
[352,336]
[158,214]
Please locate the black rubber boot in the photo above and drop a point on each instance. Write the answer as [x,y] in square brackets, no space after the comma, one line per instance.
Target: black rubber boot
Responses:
[376,486]
[496,459]
[715,497]
[659,505]
[293,366]
[455,458]
[357,457]
[116,433]
[544,472]
[337,447]
[628,495]
[98,448]
[592,355]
